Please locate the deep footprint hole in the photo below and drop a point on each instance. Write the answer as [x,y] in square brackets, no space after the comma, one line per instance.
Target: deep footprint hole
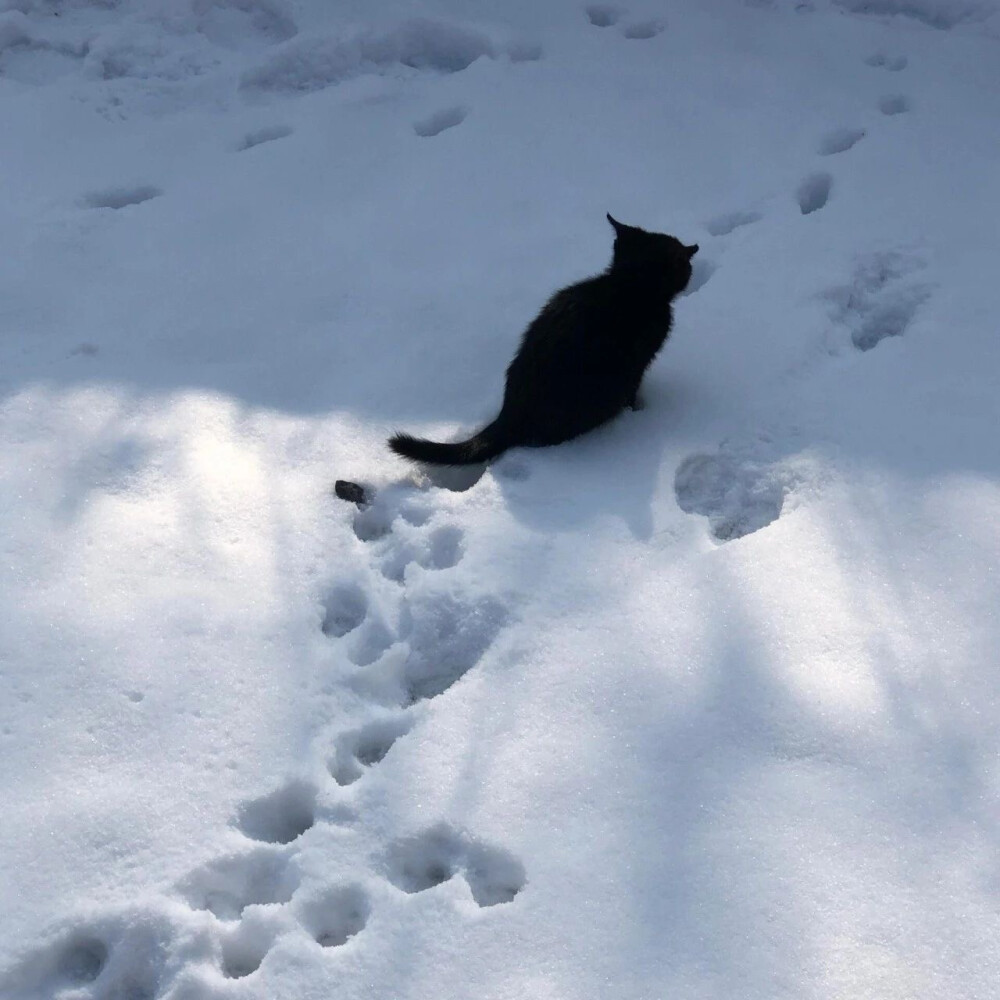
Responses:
[83,960]
[447,639]
[368,644]
[263,135]
[494,876]
[839,141]
[344,609]
[243,953]
[416,864]
[441,121]
[446,548]
[281,817]
[377,739]
[367,747]
[814,192]
[893,104]
[723,225]
[337,916]
[889,319]
[602,15]
[643,30]
[371,524]
[737,497]
[228,886]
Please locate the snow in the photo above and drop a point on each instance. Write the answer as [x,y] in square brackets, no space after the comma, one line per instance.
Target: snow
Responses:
[702,704]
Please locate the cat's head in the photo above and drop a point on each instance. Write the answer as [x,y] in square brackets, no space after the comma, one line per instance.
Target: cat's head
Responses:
[637,249]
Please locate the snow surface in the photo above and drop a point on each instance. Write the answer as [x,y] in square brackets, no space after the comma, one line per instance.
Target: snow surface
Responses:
[701,705]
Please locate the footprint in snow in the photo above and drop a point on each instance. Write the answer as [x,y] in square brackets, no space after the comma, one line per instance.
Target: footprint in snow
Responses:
[83,960]
[440,548]
[227,886]
[738,496]
[344,609]
[524,51]
[244,948]
[814,192]
[839,140]
[640,30]
[280,817]
[347,614]
[365,747]
[312,62]
[441,121]
[447,636]
[514,470]
[416,864]
[441,638]
[372,523]
[893,104]
[723,225]
[891,63]
[399,542]
[881,299]
[123,955]
[335,915]
[603,15]
[121,197]
[263,135]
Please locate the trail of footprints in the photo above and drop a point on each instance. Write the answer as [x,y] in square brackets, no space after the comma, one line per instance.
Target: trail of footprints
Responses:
[253,896]
[736,489]
[607,16]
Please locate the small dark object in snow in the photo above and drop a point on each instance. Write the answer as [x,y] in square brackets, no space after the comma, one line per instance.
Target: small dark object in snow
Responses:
[349,491]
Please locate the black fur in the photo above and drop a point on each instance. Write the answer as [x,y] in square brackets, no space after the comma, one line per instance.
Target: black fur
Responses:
[581,360]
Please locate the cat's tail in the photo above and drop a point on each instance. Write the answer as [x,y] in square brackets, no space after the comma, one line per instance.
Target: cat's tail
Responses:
[491,441]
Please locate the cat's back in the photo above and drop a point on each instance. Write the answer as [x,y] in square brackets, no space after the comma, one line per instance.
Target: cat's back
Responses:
[573,309]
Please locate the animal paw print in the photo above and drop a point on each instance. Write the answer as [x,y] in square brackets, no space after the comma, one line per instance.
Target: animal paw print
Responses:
[401,541]
[121,197]
[440,635]
[441,121]
[347,615]
[738,495]
[607,15]
[640,30]
[881,300]
[446,637]
[243,948]
[839,140]
[814,192]
[361,749]
[893,104]
[335,915]
[123,954]
[232,883]
[270,133]
[280,817]
[723,225]
[891,63]
[429,859]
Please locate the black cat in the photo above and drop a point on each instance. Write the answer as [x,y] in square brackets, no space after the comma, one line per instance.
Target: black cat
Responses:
[581,360]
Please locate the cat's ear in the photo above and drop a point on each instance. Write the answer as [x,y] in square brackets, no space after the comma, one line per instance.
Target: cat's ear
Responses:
[619,227]
[691,250]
